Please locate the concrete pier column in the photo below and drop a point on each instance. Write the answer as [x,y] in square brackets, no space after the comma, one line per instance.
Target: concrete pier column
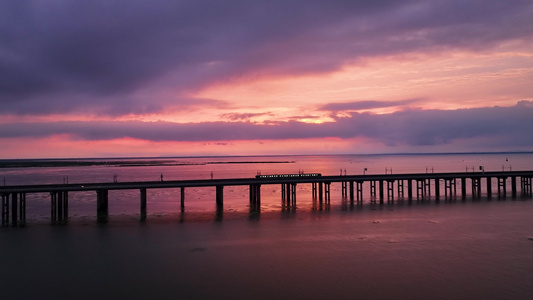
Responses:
[258,194]
[255,197]
[390,189]
[14,209]
[344,188]
[427,187]
[182,198]
[59,207]
[410,189]
[449,187]
[476,187]
[489,187]
[502,187]
[400,188]
[53,207]
[420,188]
[327,193]
[293,193]
[381,194]
[373,188]
[513,186]
[5,210]
[320,191]
[314,189]
[287,193]
[359,191]
[463,188]
[437,189]
[143,204]
[351,191]
[62,210]
[220,195]
[526,186]
[16,212]
[102,197]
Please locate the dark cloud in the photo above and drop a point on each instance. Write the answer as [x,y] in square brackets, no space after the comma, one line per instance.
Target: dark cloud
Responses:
[364,105]
[244,116]
[97,55]
[511,125]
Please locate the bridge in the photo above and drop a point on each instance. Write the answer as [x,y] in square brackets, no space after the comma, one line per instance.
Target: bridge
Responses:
[423,185]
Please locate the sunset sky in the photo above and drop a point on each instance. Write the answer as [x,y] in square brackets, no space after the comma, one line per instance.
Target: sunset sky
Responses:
[187,78]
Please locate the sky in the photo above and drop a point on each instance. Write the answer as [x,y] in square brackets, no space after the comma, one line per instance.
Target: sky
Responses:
[193,78]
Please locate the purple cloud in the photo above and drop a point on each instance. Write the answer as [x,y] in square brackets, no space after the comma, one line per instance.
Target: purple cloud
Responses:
[511,125]
[95,56]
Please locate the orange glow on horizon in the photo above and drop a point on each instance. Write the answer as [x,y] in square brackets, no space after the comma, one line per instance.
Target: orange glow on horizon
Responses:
[61,146]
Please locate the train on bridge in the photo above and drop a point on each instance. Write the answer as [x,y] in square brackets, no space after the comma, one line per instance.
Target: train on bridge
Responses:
[277,176]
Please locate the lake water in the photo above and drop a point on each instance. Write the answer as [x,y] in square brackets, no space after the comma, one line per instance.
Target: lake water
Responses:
[471,249]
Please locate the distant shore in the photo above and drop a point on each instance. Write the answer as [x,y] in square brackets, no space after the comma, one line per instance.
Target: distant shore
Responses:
[45,163]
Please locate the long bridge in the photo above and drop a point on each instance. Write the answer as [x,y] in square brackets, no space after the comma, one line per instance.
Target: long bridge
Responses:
[407,186]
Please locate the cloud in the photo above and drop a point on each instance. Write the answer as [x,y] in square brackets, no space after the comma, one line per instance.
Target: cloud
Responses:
[495,125]
[102,55]
[365,105]
[244,116]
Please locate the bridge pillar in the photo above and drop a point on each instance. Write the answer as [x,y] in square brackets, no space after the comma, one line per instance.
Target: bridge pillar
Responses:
[293,193]
[327,193]
[463,188]
[344,188]
[314,189]
[410,189]
[427,187]
[143,204]
[390,189]
[420,188]
[351,191]
[102,199]
[525,186]
[360,191]
[513,186]
[502,186]
[320,191]
[5,210]
[476,187]
[220,195]
[400,188]
[288,193]
[437,189]
[489,187]
[14,209]
[381,194]
[17,211]
[59,207]
[182,198]
[255,196]
[449,187]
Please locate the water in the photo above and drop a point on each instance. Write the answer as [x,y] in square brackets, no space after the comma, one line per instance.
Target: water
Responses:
[472,249]
[200,202]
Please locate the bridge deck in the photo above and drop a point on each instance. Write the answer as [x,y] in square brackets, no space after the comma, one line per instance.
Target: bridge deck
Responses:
[252,181]
[13,198]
